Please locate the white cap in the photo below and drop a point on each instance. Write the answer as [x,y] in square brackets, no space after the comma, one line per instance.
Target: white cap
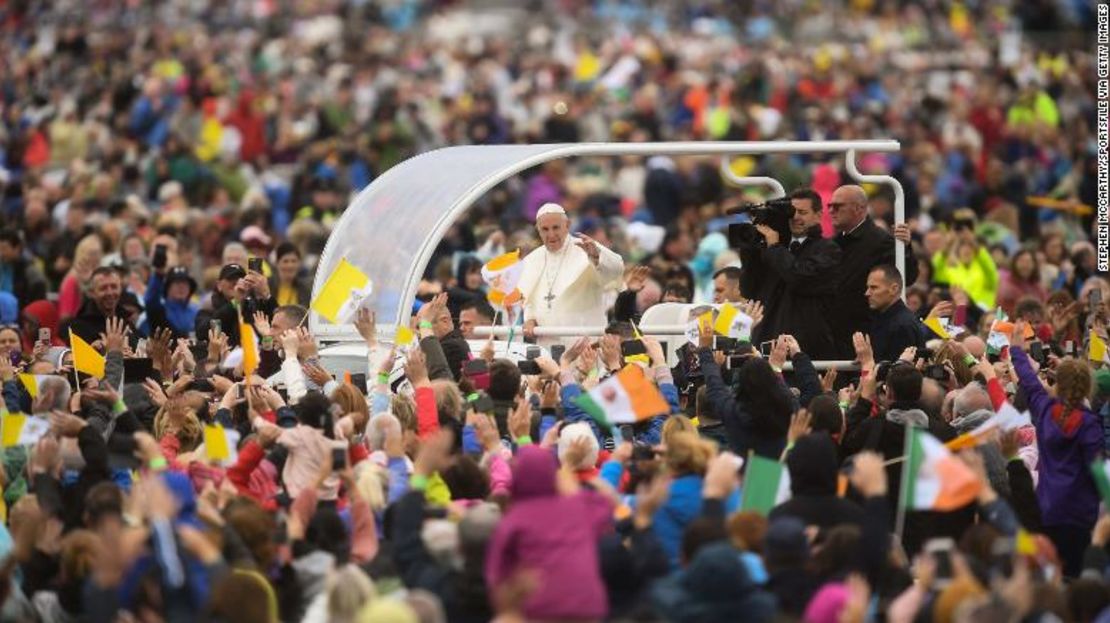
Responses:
[550,208]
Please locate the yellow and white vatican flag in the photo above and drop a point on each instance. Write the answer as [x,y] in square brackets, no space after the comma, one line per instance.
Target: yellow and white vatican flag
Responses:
[345,291]
[502,274]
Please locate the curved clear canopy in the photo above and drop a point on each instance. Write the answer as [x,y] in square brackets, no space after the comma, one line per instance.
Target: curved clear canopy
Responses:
[393,226]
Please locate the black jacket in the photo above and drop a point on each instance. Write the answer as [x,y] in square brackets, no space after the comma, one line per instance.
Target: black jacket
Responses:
[813,475]
[863,249]
[797,289]
[456,350]
[227,313]
[885,433]
[90,322]
[895,329]
[734,411]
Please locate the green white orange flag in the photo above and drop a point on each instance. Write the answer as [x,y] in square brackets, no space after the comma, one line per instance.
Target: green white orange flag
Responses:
[502,274]
[85,357]
[933,478]
[732,322]
[626,397]
[1101,471]
[345,291]
[766,485]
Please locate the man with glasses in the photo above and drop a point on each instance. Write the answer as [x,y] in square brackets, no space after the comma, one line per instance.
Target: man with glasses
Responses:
[864,245]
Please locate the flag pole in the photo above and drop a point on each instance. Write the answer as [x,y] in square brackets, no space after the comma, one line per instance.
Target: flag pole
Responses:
[76,379]
[900,518]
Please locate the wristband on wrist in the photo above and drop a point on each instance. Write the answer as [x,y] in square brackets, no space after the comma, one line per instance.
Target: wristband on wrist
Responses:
[383,378]
[119,407]
[418,482]
[970,361]
[524,440]
[158,463]
[424,324]
[777,369]
[844,406]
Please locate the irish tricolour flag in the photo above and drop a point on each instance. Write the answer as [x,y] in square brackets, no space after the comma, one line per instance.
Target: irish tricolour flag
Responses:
[766,485]
[1101,471]
[933,478]
[626,397]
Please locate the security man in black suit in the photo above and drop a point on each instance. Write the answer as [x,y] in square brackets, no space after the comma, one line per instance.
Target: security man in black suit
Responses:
[864,246]
[795,279]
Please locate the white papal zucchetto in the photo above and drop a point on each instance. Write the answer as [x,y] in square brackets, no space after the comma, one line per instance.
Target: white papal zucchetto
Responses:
[550,208]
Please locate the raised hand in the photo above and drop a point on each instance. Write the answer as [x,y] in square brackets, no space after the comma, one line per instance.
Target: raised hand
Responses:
[799,426]
[943,309]
[217,346]
[590,246]
[705,333]
[637,278]
[864,354]
[778,353]
[416,368]
[520,419]
[291,343]
[316,374]
[261,324]
[611,351]
[115,334]
[828,380]
[655,351]
[366,323]
[571,354]
[307,347]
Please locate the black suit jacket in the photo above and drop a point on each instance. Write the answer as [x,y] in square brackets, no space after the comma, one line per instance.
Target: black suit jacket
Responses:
[797,289]
[863,249]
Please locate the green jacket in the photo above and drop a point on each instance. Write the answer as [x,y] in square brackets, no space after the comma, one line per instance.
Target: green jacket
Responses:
[979,278]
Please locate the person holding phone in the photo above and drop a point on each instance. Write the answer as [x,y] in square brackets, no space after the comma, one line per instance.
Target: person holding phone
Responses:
[169,296]
[236,288]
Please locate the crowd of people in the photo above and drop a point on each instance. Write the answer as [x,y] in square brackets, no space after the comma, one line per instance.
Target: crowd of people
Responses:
[171,171]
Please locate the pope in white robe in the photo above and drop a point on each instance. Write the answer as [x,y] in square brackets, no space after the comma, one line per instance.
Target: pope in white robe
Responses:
[564,281]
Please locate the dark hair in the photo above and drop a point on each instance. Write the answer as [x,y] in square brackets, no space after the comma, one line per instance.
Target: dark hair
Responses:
[905,382]
[504,380]
[767,401]
[678,289]
[731,273]
[826,415]
[699,533]
[467,265]
[479,305]
[327,532]
[1028,305]
[103,500]
[11,236]
[295,312]
[890,272]
[286,248]
[808,194]
[465,479]
[314,410]
[1087,597]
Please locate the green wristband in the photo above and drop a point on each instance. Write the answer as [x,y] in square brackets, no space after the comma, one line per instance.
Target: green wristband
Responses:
[970,361]
[844,406]
[383,378]
[418,482]
[119,407]
[424,324]
[524,440]
[158,463]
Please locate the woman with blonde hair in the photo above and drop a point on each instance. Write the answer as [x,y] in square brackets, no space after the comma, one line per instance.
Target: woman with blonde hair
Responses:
[348,590]
[686,457]
[90,250]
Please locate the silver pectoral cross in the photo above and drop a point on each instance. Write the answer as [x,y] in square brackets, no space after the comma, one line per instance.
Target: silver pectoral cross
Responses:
[550,297]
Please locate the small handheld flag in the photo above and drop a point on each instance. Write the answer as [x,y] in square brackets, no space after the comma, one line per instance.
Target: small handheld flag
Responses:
[624,398]
[17,429]
[933,478]
[766,485]
[502,274]
[85,357]
[937,327]
[345,291]
[732,322]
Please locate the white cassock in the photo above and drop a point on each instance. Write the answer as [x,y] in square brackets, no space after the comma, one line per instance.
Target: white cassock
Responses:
[564,288]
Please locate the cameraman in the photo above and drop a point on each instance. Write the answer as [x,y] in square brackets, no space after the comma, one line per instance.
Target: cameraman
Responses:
[795,278]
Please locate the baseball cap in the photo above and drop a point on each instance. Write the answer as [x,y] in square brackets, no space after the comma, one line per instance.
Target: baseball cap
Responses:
[232,272]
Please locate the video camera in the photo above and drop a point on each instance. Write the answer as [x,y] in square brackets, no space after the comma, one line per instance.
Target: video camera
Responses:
[775,214]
